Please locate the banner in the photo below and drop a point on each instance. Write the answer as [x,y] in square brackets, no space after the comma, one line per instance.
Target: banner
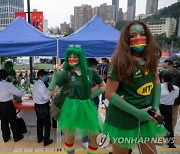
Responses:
[21,14]
[37,20]
[165,54]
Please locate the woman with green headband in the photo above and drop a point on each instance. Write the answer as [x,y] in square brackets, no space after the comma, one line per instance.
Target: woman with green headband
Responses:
[133,88]
[78,111]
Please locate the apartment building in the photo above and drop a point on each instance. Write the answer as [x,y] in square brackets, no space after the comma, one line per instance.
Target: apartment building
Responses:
[162,25]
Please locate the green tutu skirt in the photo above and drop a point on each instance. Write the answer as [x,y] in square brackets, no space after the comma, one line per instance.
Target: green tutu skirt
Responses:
[81,115]
[147,132]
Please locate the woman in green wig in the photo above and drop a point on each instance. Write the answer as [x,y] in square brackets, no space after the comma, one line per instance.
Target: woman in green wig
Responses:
[78,111]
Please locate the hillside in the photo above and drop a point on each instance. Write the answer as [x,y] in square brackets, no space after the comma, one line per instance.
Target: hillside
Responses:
[170,11]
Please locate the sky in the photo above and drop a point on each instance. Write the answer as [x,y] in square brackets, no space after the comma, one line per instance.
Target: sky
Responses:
[59,11]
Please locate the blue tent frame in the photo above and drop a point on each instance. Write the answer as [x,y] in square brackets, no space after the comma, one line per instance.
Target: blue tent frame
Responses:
[21,39]
[97,38]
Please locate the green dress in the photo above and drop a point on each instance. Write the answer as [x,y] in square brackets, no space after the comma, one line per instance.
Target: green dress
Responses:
[78,111]
[120,124]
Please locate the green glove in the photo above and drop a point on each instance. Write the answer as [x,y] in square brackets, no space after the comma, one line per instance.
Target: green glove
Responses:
[96,93]
[52,84]
[119,102]
[156,97]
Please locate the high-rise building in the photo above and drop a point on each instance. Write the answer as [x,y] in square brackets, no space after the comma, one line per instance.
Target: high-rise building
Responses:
[162,25]
[82,14]
[107,12]
[96,11]
[116,4]
[72,22]
[131,9]
[110,18]
[64,27]
[151,6]
[120,15]
[45,26]
[179,27]
[7,10]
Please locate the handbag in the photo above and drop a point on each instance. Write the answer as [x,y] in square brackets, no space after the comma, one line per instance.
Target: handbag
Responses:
[21,125]
[58,98]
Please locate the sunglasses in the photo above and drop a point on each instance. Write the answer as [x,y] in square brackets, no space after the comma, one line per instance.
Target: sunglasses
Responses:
[75,46]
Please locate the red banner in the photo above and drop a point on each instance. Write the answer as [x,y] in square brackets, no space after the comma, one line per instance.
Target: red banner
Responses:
[165,54]
[21,14]
[37,20]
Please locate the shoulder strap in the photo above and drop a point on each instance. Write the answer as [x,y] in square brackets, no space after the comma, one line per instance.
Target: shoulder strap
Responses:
[67,84]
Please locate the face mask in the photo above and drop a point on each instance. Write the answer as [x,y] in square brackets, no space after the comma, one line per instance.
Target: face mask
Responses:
[73,62]
[164,70]
[138,44]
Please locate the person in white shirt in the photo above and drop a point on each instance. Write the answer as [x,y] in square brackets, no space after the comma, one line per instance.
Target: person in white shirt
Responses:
[7,108]
[41,100]
[169,93]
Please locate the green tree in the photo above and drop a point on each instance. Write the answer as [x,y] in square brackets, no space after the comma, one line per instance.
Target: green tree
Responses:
[176,41]
[3,59]
[120,24]
[70,31]
[161,39]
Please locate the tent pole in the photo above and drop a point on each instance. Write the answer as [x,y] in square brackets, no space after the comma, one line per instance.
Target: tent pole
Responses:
[30,58]
[0,63]
[58,61]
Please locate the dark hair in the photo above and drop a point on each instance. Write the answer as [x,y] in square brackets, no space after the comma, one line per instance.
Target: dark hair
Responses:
[3,74]
[41,72]
[92,61]
[105,59]
[170,62]
[123,61]
[168,77]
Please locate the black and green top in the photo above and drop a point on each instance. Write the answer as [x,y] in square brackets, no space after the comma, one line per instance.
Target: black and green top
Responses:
[76,85]
[138,93]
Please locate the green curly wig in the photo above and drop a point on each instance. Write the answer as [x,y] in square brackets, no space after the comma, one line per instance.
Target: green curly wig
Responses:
[7,65]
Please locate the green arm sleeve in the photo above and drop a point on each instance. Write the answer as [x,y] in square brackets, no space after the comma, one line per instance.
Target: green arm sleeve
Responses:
[52,84]
[120,103]
[96,93]
[156,97]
